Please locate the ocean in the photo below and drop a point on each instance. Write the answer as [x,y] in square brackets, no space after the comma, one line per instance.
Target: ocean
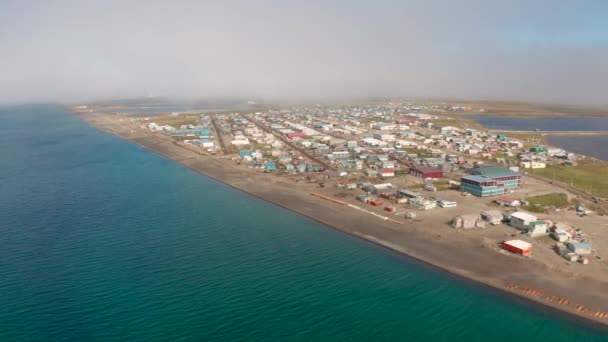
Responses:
[105,241]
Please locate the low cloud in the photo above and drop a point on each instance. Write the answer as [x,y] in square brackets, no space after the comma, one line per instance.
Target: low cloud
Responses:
[555,51]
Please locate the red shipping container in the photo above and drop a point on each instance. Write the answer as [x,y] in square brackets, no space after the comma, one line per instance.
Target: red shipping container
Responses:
[518,247]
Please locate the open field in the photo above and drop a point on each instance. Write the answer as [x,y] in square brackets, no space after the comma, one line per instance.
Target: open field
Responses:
[588,175]
[176,121]
[537,204]
[521,110]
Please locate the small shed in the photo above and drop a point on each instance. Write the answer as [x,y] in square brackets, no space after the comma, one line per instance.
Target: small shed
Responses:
[580,248]
[507,201]
[467,221]
[493,217]
[561,235]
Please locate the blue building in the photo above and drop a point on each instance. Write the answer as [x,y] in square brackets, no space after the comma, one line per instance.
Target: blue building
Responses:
[490,181]
[244,153]
[205,133]
[270,166]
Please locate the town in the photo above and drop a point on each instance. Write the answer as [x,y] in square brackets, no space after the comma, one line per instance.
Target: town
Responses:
[404,162]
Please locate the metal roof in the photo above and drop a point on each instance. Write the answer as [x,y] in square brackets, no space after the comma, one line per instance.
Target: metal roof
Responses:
[524,216]
[477,178]
[519,244]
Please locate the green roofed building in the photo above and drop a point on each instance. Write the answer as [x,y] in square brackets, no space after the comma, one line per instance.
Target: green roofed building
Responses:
[538,149]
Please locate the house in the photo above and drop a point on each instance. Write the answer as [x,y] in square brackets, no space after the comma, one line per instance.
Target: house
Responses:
[207,143]
[422,203]
[533,165]
[383,189]
[406,121]
[448,129]
[239,140]
[507,201]
[467,221]
[580,248]
[340,155]
[538,228]
[426,172]
[408,194]
[384,126]
[521,220]
[561,234]
[243,153]
[270,166]
[388,164]
[371,173]
[538,149]
[296,135]
[374,142]
[387,173]
[385,137]
[493,217]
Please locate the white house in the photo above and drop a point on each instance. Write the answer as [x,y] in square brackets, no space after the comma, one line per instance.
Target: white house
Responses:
[448,129]
[385,137]
[521,220]
[384,126]
[240,140]
[207,143]
[533,165]
[387,173]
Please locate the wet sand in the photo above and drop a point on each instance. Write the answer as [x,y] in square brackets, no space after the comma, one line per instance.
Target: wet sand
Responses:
[461,255]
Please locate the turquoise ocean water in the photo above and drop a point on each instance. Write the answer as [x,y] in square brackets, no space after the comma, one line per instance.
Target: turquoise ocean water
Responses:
[104,241]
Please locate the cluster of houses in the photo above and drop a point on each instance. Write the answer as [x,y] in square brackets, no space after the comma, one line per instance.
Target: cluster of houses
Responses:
[538,156]
[570,242]
[260,149]
[380,141]
[200,134]
[385,141]
[389,195]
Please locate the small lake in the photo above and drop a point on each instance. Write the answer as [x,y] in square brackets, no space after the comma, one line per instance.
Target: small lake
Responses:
[544,124]
[593,146]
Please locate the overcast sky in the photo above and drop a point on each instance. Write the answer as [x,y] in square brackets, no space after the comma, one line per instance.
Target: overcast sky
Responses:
[544,51]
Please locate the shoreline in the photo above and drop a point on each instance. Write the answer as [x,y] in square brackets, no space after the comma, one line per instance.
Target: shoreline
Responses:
[423,248]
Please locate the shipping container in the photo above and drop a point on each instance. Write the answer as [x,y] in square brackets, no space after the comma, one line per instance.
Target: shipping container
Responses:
[518,247]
